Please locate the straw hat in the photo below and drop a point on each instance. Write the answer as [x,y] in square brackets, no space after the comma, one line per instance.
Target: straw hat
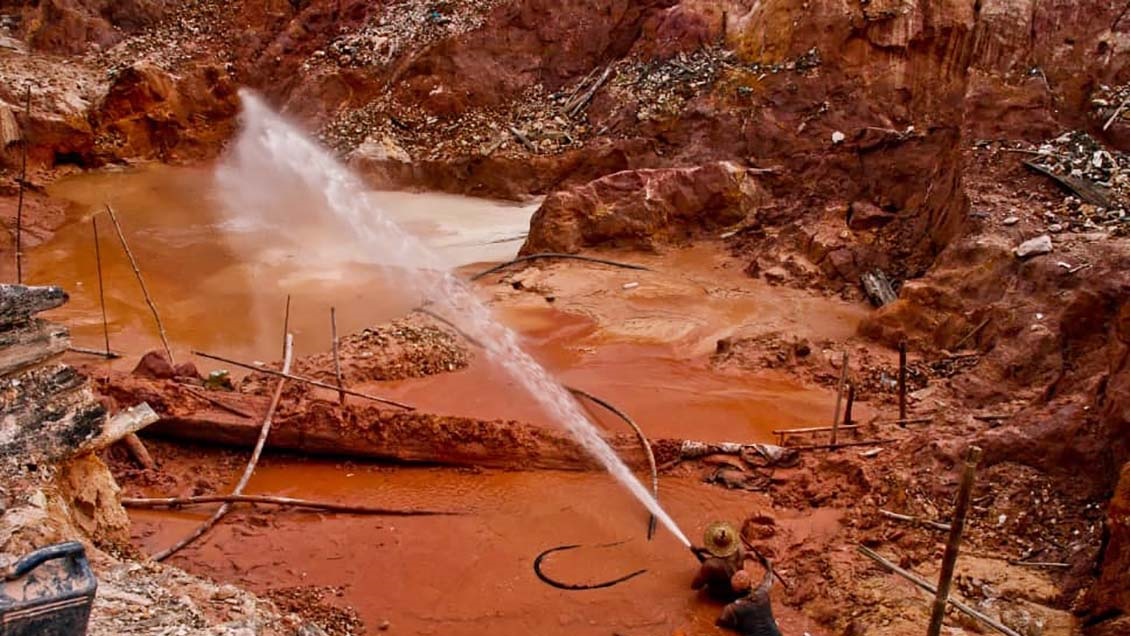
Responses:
[721,539]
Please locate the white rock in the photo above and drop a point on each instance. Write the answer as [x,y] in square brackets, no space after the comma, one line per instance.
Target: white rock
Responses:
[632,285]
[1010,220]
[837,136]
[1034,247]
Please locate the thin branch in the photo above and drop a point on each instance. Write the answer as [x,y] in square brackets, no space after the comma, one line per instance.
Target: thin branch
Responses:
[176,502]
[238,490]
[141,281]
[937,525]
[217,403]
[576,257]
[296,378]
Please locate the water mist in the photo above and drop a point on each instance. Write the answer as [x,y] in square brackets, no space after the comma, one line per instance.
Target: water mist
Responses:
[273,165]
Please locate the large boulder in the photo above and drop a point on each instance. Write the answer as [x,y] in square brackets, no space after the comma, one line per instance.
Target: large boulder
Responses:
[644,208]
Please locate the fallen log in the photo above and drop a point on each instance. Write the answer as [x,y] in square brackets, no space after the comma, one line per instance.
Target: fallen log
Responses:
[1086,190]
[178,502]
[20,302]
[398,436]
[31,343]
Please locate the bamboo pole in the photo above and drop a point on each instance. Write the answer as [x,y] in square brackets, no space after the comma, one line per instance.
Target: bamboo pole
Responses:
[924,585]
[109,355]
[175,502]
[337,359]
[265,429]
[23,180]
[902,381]
[839,394]
[965,488]
[782,432]
[141,282]
[101,292]
[866,442]
[286,323]
[848,405]
[298,378]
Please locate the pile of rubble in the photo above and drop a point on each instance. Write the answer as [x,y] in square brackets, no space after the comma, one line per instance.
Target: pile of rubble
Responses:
[1109,105]
[183,30]
[1097,183]
[409,26]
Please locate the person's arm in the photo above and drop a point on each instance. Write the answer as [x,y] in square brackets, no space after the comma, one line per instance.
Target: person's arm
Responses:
[767,580]
[729,617]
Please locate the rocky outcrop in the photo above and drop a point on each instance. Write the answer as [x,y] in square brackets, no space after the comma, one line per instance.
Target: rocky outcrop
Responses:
[74,26]
[645,208]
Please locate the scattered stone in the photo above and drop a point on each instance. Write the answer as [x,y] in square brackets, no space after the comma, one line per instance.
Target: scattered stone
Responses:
[1034,247]
[1010,220]
[155,365]
[838,137]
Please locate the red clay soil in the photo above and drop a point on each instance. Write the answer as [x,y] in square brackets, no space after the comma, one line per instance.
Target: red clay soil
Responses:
[883,125]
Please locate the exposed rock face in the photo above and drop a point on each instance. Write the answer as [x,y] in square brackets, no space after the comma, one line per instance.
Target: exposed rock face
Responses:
[644,208]
[73,26]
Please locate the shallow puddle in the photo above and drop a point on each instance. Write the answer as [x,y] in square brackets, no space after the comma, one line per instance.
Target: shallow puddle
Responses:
[219,283]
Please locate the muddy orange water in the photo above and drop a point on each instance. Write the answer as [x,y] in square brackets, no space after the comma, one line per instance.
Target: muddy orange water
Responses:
[640,340]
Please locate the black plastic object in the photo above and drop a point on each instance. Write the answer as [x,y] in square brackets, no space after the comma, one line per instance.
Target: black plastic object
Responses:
[48,593]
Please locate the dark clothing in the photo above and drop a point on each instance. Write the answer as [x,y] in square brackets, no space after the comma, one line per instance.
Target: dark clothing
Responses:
[715,574]
[752,614]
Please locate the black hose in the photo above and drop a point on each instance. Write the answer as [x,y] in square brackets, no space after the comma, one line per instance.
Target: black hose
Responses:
[578,586]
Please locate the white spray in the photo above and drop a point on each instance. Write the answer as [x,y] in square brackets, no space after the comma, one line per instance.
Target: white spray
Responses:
[273,166]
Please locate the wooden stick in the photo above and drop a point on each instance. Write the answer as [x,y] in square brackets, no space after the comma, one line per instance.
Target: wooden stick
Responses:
[839,394]
[286,323]
[101,294]
[217,403]
[1041,564]
[576,257]
[297,378]
[337,360]
[923,584]
[950,557]
[782,432]
[264,430]
[992,417]
[588,95]
[138,451]
[109,355]
[973,331]
[902,381]
[937,525]
[1115,113]
[141,282]
[121,424]
[648,454]
[23,179]
[902,421]
[174,502]
[848,406]
[522,139]
[867,442]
